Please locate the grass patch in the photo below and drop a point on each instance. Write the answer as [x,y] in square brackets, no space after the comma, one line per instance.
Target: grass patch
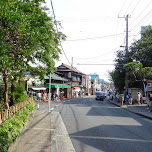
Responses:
[12,127]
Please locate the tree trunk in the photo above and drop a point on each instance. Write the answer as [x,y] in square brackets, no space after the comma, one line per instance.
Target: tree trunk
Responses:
[6,92]
[12,90]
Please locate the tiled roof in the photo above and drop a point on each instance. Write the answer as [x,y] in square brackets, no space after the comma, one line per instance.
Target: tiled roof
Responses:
[56,77]
[69,68]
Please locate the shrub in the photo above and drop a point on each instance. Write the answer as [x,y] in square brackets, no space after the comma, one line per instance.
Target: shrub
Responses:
[12,127]
[19,95]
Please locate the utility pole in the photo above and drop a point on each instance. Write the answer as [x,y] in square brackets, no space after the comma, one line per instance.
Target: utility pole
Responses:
[71,76]
[126,48]
[127,38]
[126,55]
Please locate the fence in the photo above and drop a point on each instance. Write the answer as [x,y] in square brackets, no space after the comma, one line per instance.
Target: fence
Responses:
[13,109]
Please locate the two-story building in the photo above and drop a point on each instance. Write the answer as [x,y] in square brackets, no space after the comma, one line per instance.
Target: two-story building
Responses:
[76,79]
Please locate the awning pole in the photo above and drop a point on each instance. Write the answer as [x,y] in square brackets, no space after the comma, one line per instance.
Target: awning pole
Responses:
[49,91]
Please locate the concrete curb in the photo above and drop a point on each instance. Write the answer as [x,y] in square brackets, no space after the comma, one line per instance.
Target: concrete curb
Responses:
[125,107]
[60,140]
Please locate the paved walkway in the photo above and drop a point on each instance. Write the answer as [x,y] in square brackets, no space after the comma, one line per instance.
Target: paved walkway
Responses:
[44,132]
[140,109]
[36,136]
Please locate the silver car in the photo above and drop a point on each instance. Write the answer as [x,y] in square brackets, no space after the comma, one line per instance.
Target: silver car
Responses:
[100,96]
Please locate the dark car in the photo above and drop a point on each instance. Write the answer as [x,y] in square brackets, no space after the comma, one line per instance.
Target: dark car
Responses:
[100,96]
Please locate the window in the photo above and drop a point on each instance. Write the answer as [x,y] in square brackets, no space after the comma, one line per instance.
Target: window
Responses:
[69,74]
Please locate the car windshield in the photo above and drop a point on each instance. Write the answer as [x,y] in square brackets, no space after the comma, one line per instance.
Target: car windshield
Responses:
[99,93]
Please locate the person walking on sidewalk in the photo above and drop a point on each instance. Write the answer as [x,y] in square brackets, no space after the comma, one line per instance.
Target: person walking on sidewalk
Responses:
[138,98]
[44,97]
[150,102]
[130,99]
[39,95]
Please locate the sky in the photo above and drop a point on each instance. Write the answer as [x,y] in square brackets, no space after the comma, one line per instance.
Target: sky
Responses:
[96,29]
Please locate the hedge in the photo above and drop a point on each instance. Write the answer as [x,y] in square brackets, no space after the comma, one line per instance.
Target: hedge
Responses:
[12,127]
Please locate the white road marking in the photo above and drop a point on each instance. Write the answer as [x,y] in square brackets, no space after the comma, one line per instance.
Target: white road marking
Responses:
[52,109]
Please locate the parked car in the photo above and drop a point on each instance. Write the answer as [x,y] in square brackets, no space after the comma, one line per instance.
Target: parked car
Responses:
[100,96]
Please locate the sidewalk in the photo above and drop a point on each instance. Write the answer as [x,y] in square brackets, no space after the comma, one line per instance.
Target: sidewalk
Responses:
[36,136]
[44,132]
[135,108]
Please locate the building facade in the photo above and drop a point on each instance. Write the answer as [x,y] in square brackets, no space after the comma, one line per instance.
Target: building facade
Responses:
[76,79]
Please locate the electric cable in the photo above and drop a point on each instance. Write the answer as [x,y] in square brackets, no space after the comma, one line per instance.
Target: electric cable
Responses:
[129,6]
[146,17]
[135,7]
[123,6]
[92,38]
[57,32]
[97,56]
[85,19]
[141,12]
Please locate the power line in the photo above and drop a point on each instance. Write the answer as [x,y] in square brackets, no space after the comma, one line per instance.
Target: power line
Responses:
[94,37]
[128,6]
[123,6]
[135,7]
[94,64]
[57,32]
[98,55]
[141,12]
[142,20]
[97,61]
[85,19]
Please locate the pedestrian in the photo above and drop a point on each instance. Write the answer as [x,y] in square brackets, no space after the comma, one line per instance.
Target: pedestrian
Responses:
[55,97]
[61,95]
[39,95]
[127,98]
[138,98]
[52,97]
[150,102]
[130,99]
[34,95]
[121,99]
[44,97]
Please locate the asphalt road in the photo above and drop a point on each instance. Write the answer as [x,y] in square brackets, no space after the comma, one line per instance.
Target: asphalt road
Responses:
[98,126]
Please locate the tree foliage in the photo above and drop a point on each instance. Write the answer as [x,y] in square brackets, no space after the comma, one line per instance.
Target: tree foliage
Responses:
[140,50]
[118,74]
[138,66]
[133,72]
[27,36]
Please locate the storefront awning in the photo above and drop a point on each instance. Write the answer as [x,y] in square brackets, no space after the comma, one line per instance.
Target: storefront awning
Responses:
[38,88]
[77,89]
[57,85]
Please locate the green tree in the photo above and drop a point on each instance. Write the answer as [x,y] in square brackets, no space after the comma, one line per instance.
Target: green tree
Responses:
[27,36]
[140,50]
[134,74]
[118,74]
